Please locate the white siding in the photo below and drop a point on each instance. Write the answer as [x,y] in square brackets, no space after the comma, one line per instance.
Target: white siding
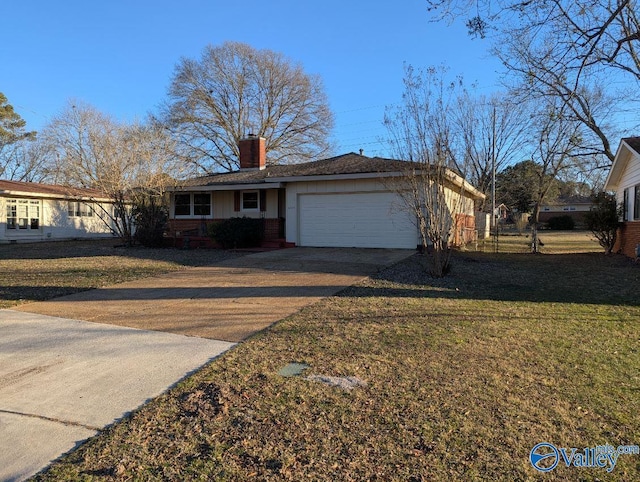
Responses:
[55,223]
[629,178]
[223,205]
[393,227]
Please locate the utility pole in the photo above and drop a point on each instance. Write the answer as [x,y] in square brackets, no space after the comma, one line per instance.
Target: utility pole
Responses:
[494,223]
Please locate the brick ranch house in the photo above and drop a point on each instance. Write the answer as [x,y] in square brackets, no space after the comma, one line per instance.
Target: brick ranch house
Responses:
[41,212]
[575,207]
[624,179]
[344,201]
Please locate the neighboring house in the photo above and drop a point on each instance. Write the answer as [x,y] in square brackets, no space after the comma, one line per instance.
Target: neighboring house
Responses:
[574,206]
[624,179]
[501,213]
[39,212]
[345,201]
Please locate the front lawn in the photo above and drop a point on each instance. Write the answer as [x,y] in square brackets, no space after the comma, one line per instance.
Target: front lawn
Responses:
[41,271]
[460,378]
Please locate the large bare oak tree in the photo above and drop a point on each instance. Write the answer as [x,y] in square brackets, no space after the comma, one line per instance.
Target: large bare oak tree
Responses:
[234,90]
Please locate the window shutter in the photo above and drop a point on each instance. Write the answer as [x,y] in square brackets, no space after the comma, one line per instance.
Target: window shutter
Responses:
[263,200]
[236,201]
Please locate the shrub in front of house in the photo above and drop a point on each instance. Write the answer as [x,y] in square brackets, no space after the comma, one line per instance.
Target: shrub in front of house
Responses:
[150,221]
[561,223]
[235,233]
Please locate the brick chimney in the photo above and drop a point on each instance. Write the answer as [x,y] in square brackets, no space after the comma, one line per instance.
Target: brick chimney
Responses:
[253,152]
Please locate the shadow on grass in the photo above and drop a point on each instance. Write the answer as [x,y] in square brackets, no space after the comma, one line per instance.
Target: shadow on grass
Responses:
[586,278]
[111,247]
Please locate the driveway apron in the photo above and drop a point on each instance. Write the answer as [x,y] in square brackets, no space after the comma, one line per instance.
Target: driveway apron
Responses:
[63,379]
[228,301]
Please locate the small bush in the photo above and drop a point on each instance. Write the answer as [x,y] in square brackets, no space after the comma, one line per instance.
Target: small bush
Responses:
[150,222]
[561,223]
[235,233]
[604,218]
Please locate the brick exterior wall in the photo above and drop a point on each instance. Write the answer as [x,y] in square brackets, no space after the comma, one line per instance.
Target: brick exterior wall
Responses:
[628,238]
[273,228]
[252,153]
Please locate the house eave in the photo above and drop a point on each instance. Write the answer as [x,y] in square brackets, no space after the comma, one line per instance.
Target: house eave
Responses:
[620,162]
[229,187]
[35,195]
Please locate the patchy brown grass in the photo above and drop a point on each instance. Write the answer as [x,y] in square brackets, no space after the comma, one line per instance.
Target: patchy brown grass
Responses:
[41,271]
[555,242]
[463,377]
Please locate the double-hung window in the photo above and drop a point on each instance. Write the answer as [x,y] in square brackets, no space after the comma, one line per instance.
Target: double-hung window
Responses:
[250,200]
[196,204]
[23,214]
[78,209]
[636,203]
[202,204]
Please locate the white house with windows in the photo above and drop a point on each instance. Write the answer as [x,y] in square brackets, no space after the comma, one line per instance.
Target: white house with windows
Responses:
[624,179]
[40,212]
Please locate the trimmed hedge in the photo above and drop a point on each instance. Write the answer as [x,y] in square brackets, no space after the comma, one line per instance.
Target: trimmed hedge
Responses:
[236,233]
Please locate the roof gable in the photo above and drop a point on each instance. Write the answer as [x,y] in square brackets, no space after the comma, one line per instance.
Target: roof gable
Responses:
[628,150]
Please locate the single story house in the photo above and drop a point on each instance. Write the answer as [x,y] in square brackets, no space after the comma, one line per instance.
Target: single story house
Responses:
[39,212]
[624,179]
[344,201]
[573,206]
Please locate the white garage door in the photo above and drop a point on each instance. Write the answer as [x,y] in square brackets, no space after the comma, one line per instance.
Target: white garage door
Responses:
[363,220]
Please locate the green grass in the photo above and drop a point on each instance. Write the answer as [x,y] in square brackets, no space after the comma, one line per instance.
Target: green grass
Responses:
[464,375]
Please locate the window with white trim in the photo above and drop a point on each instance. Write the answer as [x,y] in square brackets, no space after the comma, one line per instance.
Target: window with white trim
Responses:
[250,201]
[23,214]
[626,216]
[192,204]
[636,203]
[202,204]
[78,209]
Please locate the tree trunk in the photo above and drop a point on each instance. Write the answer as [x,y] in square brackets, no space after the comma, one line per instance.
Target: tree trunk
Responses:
[535,242]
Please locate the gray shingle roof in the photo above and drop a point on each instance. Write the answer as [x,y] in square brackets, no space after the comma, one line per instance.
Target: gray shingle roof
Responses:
[345,164]
[633,142]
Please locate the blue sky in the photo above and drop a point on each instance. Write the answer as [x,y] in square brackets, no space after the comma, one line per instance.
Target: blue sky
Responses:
[119,56]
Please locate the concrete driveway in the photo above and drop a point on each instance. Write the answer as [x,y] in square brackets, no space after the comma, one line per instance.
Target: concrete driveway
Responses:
[71,366]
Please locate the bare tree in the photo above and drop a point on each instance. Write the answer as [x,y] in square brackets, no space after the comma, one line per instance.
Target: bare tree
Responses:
[573,51]
[88,149]
[556,147]
[540,75]
[600,32]
[235,90]
[493,132]
[421,132]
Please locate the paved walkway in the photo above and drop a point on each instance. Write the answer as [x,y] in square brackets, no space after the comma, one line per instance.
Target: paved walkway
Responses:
[62,380]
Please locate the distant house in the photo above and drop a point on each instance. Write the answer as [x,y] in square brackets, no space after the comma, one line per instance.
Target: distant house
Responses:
[573,206]
[344,201]
[40,212]
[624,179]
[501,213]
